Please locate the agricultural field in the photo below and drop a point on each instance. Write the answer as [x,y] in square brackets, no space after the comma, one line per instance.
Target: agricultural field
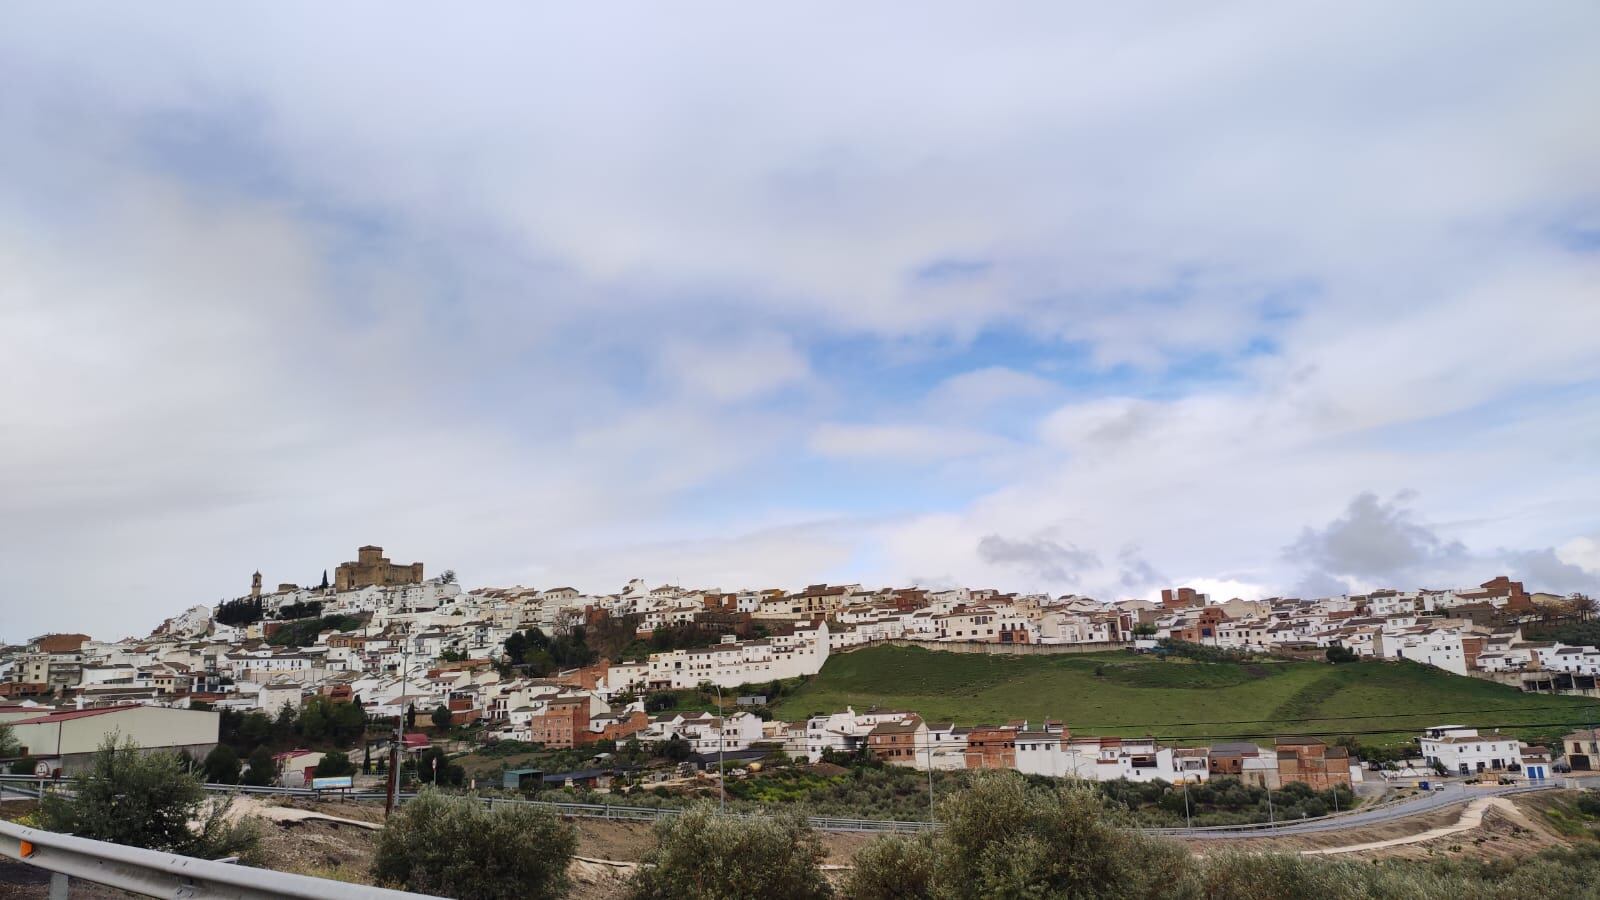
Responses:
[1121,693]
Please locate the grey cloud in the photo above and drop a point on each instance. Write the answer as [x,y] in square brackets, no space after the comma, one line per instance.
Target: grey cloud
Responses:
[1136,572]
[1046,558]
[1373,539]
[1542,570]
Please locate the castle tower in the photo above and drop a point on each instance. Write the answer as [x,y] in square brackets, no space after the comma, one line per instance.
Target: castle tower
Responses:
[255,586]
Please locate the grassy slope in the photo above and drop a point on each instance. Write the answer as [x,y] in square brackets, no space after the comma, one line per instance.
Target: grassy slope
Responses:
[1139,694]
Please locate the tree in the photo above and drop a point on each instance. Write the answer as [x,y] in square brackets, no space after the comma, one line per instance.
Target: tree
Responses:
[1583,606]
[456,847]
[435,767]
[221,765]
[324,584]
[146,800]
[335,763]
[263,768]
[1005,838]
[704,854]
[411,717]
[677,749]
[1339,653]
[9,745]
[441,717]
[448,576]
[24,765]
[516,646]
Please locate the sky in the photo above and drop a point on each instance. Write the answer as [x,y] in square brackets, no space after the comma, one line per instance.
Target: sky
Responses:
[1261,298]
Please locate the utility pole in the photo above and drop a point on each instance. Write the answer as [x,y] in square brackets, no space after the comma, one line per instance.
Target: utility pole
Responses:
[1188,821]
[927,744]
[392,798]
[722,724]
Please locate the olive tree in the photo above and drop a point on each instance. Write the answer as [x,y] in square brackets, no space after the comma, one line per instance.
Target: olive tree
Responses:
[704,855]
[147,800]
[1005,838]
[456,846]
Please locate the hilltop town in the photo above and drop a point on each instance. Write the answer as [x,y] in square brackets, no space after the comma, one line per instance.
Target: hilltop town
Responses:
[558,668]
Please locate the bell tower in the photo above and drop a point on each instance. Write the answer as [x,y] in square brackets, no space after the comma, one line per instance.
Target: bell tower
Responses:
[255,586]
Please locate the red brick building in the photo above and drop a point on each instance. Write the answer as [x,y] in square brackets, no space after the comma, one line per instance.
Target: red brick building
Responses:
[992,747]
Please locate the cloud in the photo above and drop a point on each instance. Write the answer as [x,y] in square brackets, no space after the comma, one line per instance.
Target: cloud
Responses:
[979,390]
[1136,573]
[578,297]
[899,442]
[1545,570]
[1373,540]
[733,370]
[1040,557]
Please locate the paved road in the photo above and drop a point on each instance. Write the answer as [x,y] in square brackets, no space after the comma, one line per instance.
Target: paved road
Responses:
[1452,795]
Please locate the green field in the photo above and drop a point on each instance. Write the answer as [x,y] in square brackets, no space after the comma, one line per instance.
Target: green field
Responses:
[1126,694]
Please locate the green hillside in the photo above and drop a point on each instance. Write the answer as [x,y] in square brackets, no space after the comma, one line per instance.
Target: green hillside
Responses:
[1126,694]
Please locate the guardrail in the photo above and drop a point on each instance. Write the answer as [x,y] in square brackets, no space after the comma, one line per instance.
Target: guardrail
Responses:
[157,874]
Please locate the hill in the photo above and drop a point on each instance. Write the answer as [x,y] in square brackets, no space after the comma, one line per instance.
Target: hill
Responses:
[1123,693]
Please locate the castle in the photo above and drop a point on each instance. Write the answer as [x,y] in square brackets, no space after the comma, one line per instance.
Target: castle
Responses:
[372,568]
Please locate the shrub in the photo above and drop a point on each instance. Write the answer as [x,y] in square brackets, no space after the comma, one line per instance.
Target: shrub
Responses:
[147,800]
[457,847]
[707,856]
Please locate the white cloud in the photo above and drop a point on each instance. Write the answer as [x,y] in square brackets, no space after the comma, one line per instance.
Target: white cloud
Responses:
[731,370]
[560,302]
[903,443]
[979,390]
[1583,552]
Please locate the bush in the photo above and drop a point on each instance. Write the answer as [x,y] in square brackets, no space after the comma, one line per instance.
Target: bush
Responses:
[707,856]
[456,847]
[147,800]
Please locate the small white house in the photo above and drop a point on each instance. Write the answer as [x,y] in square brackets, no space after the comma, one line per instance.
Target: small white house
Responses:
[1463,751]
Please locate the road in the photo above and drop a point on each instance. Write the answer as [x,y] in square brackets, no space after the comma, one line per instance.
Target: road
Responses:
[1452,795]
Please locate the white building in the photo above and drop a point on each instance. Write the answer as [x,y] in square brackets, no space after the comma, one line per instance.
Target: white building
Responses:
[1463,751]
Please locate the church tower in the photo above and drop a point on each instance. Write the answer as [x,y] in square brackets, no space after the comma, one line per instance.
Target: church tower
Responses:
[255,586]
